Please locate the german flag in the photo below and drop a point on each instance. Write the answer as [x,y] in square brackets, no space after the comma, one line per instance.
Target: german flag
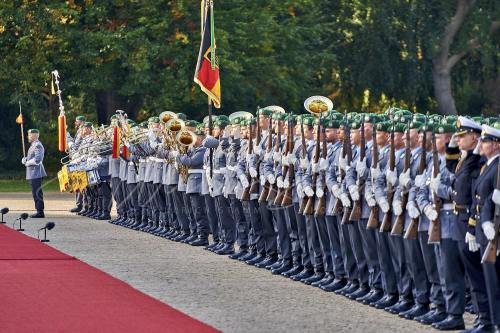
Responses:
[207,68]
[115,153]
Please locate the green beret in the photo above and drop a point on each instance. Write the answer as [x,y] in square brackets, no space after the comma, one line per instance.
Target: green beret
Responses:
[87,124]
[80,118]
[264,112]
[399,128]
[308,121]
[291,118]
[144,124]
[427,128]
[200,130]
[33,130]
[155,120]
[478,119]
[181,116]
[330,123]
[496,124]
[221,123]
[384,126]
[370,118]
[356,124]
[451,120]
[191,123]
[445,128]
[334,115]
[382,118]
[278,116]
[352,116]
[416,125]
[403,116]
[236,120]
[419,117]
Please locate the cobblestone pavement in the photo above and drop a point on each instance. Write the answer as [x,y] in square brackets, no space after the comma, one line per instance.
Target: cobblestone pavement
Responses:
[227,294]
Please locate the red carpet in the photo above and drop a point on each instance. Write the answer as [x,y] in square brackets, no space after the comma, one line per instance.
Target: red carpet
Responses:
[54,292]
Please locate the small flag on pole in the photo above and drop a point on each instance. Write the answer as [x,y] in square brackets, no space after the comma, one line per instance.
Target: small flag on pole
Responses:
[207,68]
[116,143]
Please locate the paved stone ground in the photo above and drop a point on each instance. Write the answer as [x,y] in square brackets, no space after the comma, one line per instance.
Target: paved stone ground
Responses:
[226,294]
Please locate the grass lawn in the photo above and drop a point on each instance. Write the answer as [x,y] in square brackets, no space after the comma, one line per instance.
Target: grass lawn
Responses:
[22,185]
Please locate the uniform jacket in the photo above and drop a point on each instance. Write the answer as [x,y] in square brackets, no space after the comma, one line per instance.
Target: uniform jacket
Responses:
[35,152]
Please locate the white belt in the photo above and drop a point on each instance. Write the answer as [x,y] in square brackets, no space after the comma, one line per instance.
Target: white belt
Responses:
[221,170]
[195,171]
[142,160]
[447,206]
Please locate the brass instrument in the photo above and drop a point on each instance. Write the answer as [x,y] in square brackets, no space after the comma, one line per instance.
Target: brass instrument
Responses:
[240,114]
[316,105]
[185,139]
[166,116]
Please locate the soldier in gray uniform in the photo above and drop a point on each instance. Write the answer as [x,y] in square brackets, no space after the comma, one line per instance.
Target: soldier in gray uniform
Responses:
[194,161]
[35,170]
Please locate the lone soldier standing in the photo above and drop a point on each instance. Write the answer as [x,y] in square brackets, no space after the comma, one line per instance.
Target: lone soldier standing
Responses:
[35,170]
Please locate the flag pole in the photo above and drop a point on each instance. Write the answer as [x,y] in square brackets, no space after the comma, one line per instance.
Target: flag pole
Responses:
[22,130]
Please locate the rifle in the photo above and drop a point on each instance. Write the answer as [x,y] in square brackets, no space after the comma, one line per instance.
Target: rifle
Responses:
[288,148]
[303,201]
[490,254]
[309,208]
[397,228]
[412,230]
[347,133]
[273,189]
[387,220]
[246,192]
[357,206]
[373,218]
[320,209]
[435,226]
[265,187]
[338,208]
[254,185]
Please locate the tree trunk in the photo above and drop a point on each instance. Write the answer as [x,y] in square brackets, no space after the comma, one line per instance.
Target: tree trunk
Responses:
[107,102]
[442,90]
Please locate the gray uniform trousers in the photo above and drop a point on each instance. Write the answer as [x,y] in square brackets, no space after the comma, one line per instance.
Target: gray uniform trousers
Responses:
[416,268]
[104,194]
[124,196]
[314,244]
[350,266]
[242,225]
[115,189]
[369,241]
[200,216]
[268,233]
[227,226]
[213,217]
[404,281]
[291,226]
[151,201]
[281,231]
[430,263]
[335,246]
[142,197]
[189,213]
[302,235]
[322,231]
[492,278]
[358,252]
[179,209]
[160,202]
[384,254]
[37,193]
[251,210]
[170,218]
[134,211]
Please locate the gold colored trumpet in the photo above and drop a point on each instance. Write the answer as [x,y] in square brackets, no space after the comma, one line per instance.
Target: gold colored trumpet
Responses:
[175,125]
[166,116]
[186,138]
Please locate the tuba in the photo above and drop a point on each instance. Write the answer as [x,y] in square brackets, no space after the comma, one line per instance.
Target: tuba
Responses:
[316,105]
[166,116]
[185,139]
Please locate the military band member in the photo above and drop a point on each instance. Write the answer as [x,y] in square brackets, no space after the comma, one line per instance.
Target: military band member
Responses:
[35,170]
[73,143]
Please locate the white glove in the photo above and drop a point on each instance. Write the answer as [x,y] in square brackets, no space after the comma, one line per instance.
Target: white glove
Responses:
[225,134]
[391,176]
[314,167]
[371,201]
[271,179]
[284,161]
[345,200]
[309,191]
[173,154]
[489,230]
[361,167]
[286,183]
[413,211]
[354,192]
[256,150]
[237,134]
[384,205]
[476,150]
[336,190]
[496,197]
[420,181]
[279,182]
[250,158]
[291,159]
[153,143]
[319,192]
[375,172]
[244,181]
[304,163]
[404,179]
[342,163]
[253,172]
[454,141]
[471,240]
[430,212]
[397,207]
[268,156]
[23,161]
[262,179]
[276,157]
[323,164]
[435,182]
[30,162]
[300,191]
